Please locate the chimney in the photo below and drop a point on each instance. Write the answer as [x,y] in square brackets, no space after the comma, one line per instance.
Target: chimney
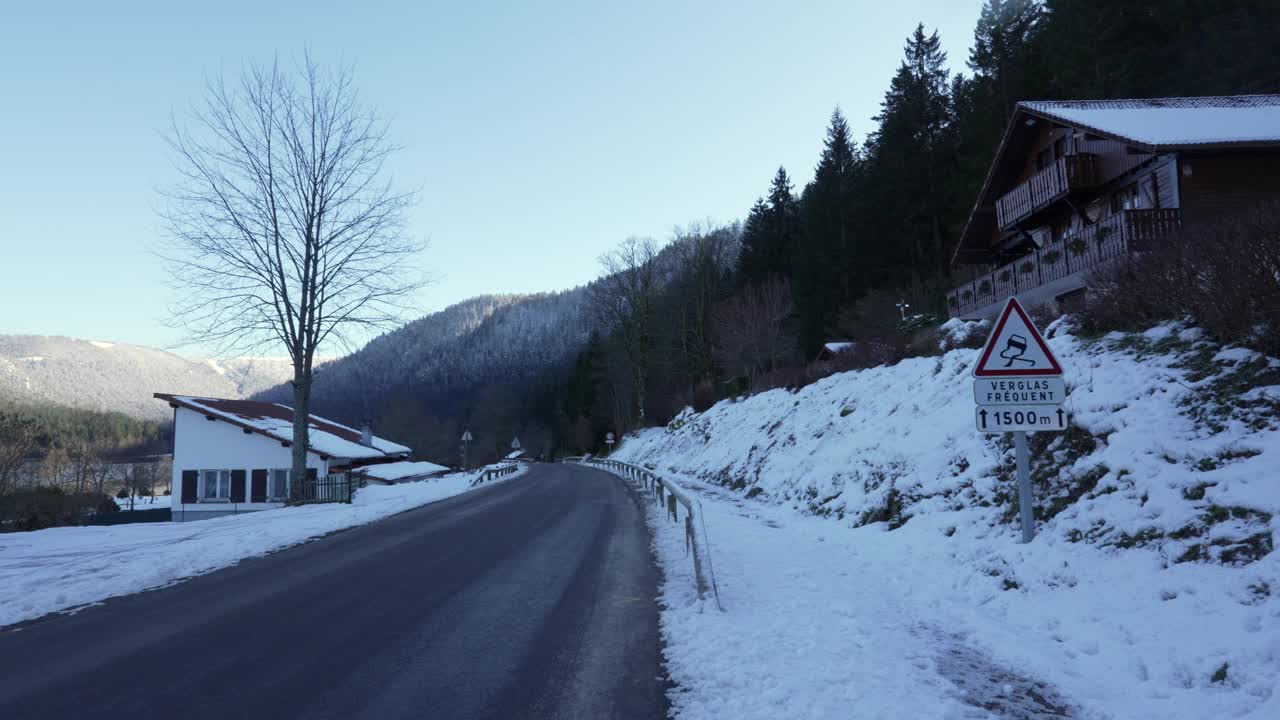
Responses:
[366,433]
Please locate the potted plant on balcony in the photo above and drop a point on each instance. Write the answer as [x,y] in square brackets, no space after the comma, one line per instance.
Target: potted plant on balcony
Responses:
[1052,256]
[1005,275]
[953,301]
[984,287]
[1026,268]
[967,295]
[1077,246]
[1101,238]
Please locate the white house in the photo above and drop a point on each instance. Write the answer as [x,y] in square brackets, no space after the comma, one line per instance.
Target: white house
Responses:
[234,456]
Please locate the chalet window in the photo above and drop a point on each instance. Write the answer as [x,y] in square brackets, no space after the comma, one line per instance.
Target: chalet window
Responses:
[1126,199]
[279,488]
[215,485]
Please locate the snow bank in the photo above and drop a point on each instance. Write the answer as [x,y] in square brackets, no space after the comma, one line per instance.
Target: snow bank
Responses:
[51,570]
[875,569]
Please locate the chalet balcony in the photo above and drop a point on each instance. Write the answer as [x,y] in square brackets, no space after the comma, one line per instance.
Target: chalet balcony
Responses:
[1057,180]
[1060,266]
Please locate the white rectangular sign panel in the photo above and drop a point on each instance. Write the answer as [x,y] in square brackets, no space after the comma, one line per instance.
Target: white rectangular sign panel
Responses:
[1010,418]
[1019,391]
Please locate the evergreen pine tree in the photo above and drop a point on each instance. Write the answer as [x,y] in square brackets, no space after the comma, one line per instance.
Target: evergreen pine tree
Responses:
[912,163]
[783,226]
[753,261]
[825,274]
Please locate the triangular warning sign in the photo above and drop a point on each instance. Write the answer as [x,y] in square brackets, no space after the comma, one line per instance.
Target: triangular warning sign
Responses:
[1016,348]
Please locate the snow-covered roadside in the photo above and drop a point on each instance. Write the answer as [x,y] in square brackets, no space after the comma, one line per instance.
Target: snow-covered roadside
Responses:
[823,621]
[52,570]
[1113,612]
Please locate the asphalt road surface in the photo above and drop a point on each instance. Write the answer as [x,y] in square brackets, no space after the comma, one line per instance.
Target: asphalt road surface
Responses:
[533,598]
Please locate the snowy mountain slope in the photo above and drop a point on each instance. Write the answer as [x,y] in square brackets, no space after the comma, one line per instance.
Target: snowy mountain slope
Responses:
[119,377]
[486,338]
[253,375]
[865,510]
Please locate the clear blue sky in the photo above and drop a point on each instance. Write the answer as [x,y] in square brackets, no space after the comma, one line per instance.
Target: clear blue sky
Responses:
[541,134]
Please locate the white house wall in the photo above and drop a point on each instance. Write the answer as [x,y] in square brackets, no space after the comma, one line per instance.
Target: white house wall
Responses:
[200,444]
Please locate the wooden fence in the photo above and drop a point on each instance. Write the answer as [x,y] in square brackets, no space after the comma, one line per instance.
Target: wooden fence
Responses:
[335,488]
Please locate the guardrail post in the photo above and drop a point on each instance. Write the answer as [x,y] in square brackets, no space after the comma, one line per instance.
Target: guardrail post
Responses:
[671,508]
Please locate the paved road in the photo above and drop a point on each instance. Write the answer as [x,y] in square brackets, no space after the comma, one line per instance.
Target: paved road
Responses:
[529,599]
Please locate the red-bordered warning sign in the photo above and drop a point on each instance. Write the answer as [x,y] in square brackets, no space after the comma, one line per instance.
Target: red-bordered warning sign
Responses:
[1016,347]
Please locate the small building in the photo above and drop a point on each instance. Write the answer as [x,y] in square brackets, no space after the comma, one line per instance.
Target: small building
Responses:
[400,472]
[1076,185]
[235,456]
[832,349]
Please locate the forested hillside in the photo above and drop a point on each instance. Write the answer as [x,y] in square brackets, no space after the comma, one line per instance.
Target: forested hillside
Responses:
[477,363]
[862,252]
[859,253]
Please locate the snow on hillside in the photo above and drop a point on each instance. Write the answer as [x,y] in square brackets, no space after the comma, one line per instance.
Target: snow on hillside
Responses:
[865,541]
[47,571]
[252,375]
[478,341]
[118,377]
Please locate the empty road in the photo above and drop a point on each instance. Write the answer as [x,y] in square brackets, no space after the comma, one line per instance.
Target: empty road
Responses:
[533,598]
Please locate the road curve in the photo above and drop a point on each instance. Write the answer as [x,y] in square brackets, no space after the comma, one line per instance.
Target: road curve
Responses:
[533,598]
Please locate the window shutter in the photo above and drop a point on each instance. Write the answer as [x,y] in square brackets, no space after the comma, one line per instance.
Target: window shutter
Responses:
[189,480]
[237,486]
[258,486]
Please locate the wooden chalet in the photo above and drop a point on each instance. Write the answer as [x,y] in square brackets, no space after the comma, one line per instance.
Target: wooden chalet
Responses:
[1077,184]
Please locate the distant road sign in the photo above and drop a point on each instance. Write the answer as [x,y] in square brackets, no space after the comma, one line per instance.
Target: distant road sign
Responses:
[466,436]
[1012,418]
[1016,348]
[1019,391]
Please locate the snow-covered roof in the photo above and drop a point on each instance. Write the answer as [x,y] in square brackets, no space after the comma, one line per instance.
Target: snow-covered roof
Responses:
[516,454]
[403,470]
[275,421]
[1185,122]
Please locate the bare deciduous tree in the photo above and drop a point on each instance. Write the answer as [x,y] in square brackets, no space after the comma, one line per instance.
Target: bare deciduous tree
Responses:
[704,257]
[624,301]
[751,336]
[284,230]
[140,480]
[19,439]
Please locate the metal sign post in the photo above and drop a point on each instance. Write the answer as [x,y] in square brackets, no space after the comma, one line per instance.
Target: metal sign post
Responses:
[1018,387]
[466,447]
[608,440]
[1026,510]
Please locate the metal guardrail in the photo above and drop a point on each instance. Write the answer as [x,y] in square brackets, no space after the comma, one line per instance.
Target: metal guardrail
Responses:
[670,496]
[491,473]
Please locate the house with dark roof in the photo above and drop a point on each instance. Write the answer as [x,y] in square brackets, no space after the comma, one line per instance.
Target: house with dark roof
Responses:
[235,456]
[1075,185]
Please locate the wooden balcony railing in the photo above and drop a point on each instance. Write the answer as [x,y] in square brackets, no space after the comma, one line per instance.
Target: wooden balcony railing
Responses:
[1084,249]
[1054,182]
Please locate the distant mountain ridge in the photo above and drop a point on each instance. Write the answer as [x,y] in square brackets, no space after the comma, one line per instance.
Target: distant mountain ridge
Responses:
[483,339]
[120,377]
